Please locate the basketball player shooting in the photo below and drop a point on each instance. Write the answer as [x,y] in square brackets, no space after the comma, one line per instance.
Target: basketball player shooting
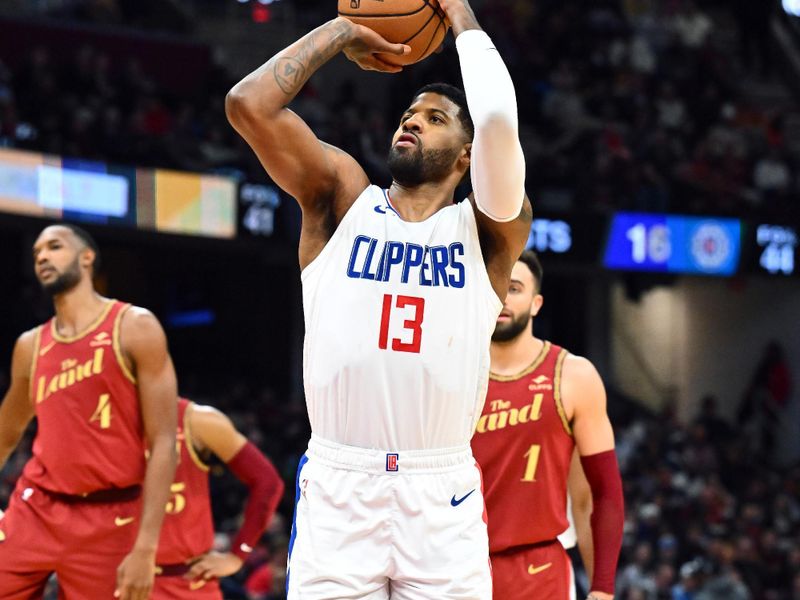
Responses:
[99,379]
[401,291]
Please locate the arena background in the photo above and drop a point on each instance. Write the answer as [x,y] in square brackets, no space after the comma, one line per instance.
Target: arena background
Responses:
[662,141]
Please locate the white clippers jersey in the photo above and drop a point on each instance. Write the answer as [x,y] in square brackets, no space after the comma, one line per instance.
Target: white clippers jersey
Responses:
[398,318]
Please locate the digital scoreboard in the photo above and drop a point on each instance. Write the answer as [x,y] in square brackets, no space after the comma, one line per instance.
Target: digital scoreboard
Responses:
[673,244]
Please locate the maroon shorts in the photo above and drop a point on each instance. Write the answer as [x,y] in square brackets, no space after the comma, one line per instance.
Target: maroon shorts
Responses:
[82,542]
[177,587]
[532,572]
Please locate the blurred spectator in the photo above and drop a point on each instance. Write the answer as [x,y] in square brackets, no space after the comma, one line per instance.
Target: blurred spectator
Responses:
[765,401]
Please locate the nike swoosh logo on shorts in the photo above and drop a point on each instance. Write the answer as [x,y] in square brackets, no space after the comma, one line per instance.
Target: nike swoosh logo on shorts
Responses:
[534,570]
[454,502]
[2,536]
[197,584]
[122,521]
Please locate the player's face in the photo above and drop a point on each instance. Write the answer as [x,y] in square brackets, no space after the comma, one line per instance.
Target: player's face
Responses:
[428,142]
[522,303]
[57,260]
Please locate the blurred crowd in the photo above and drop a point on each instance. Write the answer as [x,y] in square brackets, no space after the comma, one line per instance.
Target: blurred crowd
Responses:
[635,104]
[707,517]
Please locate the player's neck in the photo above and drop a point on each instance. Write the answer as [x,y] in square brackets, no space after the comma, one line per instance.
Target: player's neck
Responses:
[77,309]
[417,203]
[511,357]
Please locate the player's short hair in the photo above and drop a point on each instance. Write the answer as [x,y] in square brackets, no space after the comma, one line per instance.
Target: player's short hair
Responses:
[458,97]
[531,260]
[88,241]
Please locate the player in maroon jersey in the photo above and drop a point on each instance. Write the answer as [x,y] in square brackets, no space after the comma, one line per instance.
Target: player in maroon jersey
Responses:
[187,566]
[100,381]
[542,404]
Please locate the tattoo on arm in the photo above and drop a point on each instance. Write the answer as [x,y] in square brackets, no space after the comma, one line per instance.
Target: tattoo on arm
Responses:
[293,67]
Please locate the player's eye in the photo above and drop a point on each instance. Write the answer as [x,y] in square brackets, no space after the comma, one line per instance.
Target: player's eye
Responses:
[435,119]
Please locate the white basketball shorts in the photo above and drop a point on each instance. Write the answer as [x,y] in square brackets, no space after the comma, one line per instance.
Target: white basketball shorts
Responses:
[379,524]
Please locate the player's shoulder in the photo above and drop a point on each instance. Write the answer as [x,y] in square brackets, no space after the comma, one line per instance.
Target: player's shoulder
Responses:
[26,341]
[138,326]
[138,316]
[579,370]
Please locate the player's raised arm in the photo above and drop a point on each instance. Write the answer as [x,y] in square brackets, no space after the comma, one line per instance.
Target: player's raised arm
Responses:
[294,158]
[144,343]
[497,165]
[214,431]
[594,439]
[16,411]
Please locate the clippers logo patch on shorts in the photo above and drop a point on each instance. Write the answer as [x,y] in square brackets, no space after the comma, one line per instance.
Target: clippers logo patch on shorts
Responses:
[391,462]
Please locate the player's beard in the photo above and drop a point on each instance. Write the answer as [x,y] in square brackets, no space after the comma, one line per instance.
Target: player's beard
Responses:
[505,332]
[411,167]
[64,281]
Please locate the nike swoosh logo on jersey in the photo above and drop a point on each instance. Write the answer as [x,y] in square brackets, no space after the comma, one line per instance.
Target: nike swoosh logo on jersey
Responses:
[534,570]
[2,536]
[454,502]
[122,521]
[47,348]
[381,210]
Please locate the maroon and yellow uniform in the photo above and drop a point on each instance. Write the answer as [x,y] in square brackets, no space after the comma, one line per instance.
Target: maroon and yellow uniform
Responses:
[188,528]
[76,503]
[523,443]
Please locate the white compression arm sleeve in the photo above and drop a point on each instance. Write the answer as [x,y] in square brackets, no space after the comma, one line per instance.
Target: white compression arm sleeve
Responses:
[497,165]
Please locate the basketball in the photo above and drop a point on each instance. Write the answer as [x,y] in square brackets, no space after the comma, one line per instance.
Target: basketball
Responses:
[420,24]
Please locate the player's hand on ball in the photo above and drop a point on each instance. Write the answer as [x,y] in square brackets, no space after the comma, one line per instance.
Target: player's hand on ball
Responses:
[135,575]
[214,565]
[459,15]
[366,46]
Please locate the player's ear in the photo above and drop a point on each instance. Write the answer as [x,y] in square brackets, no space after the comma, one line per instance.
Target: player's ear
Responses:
[87,257]
[536,305]
[466,154]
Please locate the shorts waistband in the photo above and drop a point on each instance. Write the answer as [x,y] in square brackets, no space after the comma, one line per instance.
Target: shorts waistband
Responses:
[381,462]
[98,497]
[173,570]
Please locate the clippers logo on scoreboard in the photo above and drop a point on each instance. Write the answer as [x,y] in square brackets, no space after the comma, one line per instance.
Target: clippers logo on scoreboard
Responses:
[711,246]
[391,462]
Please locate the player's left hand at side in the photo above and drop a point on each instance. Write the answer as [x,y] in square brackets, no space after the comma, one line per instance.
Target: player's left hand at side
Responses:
[214,565]
[135,575]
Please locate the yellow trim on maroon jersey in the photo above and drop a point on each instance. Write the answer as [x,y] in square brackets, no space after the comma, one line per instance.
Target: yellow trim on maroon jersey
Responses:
[527,370]
[557,392]
[187,439]
[118,347]
[68,340]
[37,341]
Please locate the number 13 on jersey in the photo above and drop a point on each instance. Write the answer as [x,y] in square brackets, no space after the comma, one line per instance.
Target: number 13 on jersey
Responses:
[414,324]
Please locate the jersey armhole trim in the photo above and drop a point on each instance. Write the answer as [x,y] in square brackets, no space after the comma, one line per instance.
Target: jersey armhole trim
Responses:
[557,393]
[312,266]
[37,341]
[187,439]
[118,347]
[495,302]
